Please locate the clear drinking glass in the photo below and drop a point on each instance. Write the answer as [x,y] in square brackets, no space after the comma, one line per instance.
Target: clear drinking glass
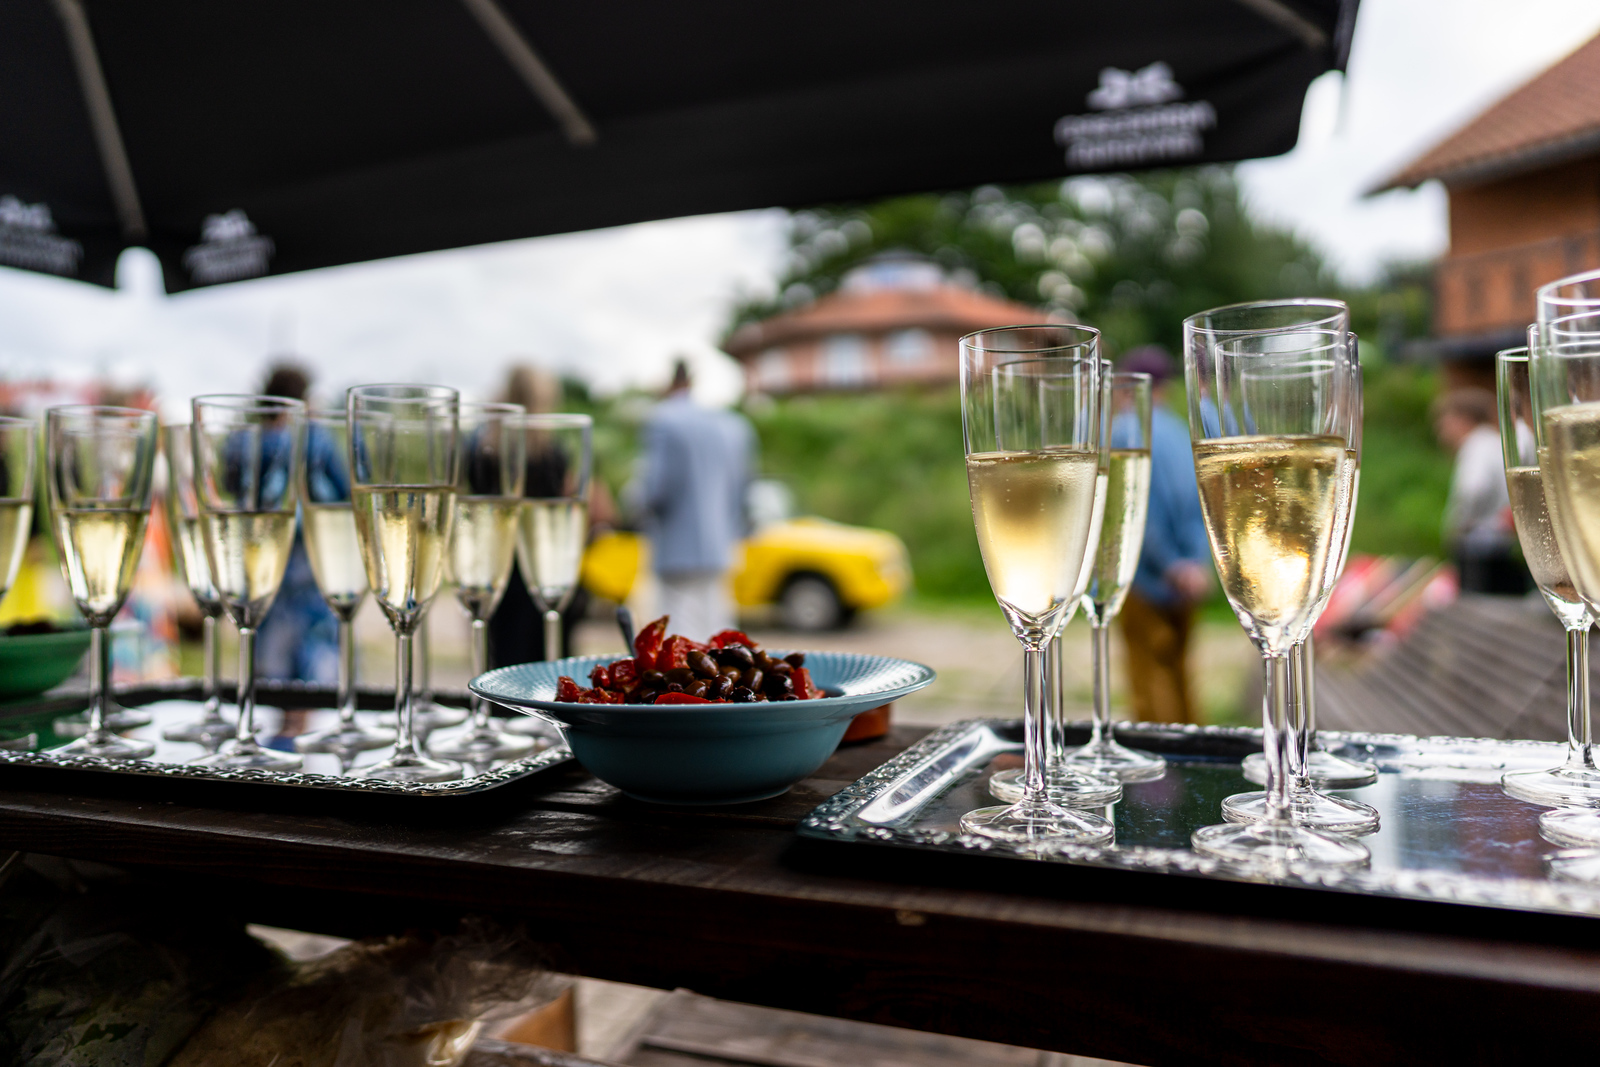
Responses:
[328,523]
[404,464]
[494,466]
[99,463]
[1564,381]
[1030,398]
[247,456]
[1566,826]
[183,515]
[1269,421]
[554,521]
[1308,806]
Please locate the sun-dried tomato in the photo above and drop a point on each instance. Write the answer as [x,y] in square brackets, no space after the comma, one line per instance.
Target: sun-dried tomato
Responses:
[624,675]
[568,691]
[648,644]
[731,637]
[804,688]
[684,698]
[600,677]
[673,654]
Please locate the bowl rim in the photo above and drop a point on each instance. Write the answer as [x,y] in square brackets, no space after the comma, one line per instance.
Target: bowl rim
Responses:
[925,677]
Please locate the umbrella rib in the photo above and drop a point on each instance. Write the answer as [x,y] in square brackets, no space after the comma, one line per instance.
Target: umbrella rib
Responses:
[538,77]
[102,118]
[1276,11]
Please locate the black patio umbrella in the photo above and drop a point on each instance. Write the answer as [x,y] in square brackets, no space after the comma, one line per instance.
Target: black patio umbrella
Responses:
[264,136]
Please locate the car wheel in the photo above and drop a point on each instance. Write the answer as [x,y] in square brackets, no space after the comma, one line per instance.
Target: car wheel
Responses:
[809,602]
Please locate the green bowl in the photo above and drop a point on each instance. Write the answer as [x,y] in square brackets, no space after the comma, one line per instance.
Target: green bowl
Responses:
[32,663]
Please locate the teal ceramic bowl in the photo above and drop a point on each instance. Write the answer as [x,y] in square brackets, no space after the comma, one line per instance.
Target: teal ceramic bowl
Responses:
[708,753]
[32,663]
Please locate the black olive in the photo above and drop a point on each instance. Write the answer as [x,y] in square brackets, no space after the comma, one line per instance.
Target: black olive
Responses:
[752,679]
[787,696]
[681,675]
[780,667]
[653,680]
[736,656]
[778,684]
[731,673]
[674,687]
[763,661]
[795,659]
[642,697]
[702,664]
[741,695]
[698,689]
[717,688]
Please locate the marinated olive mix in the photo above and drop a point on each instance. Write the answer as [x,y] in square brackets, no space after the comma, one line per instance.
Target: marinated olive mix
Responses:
[728,669]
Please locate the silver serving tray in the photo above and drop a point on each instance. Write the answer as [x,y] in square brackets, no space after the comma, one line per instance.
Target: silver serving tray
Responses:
[1448,831]
[174,703]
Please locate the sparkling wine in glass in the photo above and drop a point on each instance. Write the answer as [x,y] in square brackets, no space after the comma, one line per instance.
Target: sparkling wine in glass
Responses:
[553,524]
[183,515]
[99,464]
[328,524]
[247,456]
[1126,419]
[404,466]
[1268,424]
[1307,805]
[483,544]
[1030,398]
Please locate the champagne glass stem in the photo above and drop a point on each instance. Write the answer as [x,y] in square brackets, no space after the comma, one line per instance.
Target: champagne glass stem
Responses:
[425,666]
[1055,703]
[347,670]
[1100,644]
[480,663]
[213,667]
[247,686]
[552,634]
[405,743]
[1298,718]
[1035,672]
[1276,735]
[99,682]
[1580,742]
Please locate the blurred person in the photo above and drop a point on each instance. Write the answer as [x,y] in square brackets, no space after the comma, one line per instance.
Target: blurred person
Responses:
[516,629]
[1175,569]
[1477,517]
[696,469]
[299,639]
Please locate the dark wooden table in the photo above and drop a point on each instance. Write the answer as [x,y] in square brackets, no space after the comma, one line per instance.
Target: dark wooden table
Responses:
[728,902]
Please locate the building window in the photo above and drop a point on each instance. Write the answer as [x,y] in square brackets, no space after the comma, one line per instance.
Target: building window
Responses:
[844,360]
[909,348]
[772,370]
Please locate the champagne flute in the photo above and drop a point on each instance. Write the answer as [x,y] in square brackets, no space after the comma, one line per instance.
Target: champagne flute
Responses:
[1564,379]
[494,468]
[328,519]
[183,515]
[99,463]
[1126,419]
[430,716]
[1267,417]
[404,461]
[18,441]
[554,520]
[1308,806]
[247,456]
[1030,398]
[1074,786]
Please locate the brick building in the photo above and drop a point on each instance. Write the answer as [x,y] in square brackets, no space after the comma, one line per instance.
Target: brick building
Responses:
[1524,185]
[895,320]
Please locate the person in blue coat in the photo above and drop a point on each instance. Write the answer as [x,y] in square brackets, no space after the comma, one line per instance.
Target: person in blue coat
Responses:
[1175,570]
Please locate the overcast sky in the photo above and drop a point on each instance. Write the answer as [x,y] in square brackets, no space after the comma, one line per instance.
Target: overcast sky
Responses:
[614,306]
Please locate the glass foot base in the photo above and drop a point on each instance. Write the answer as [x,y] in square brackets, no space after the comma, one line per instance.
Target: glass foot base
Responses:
[1040,824]
[433,717]
[239,755]
[1327,771]
[1558,787]
[1571,827]
[482,746]
[345,740]
[1580,865]
[1333,815]
[108,747]
[118,721]
[1277,846]
[411,768]
[206,732]
[1108,759]
[1075,789]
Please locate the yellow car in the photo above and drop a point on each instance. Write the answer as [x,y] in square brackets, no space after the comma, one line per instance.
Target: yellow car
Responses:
[816,573]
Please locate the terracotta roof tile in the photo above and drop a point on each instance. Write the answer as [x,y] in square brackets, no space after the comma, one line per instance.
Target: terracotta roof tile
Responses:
[946,307]
[1552,118]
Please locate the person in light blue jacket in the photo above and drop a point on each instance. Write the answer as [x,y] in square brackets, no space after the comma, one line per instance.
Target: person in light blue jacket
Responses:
[1175,569]
[697,467]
